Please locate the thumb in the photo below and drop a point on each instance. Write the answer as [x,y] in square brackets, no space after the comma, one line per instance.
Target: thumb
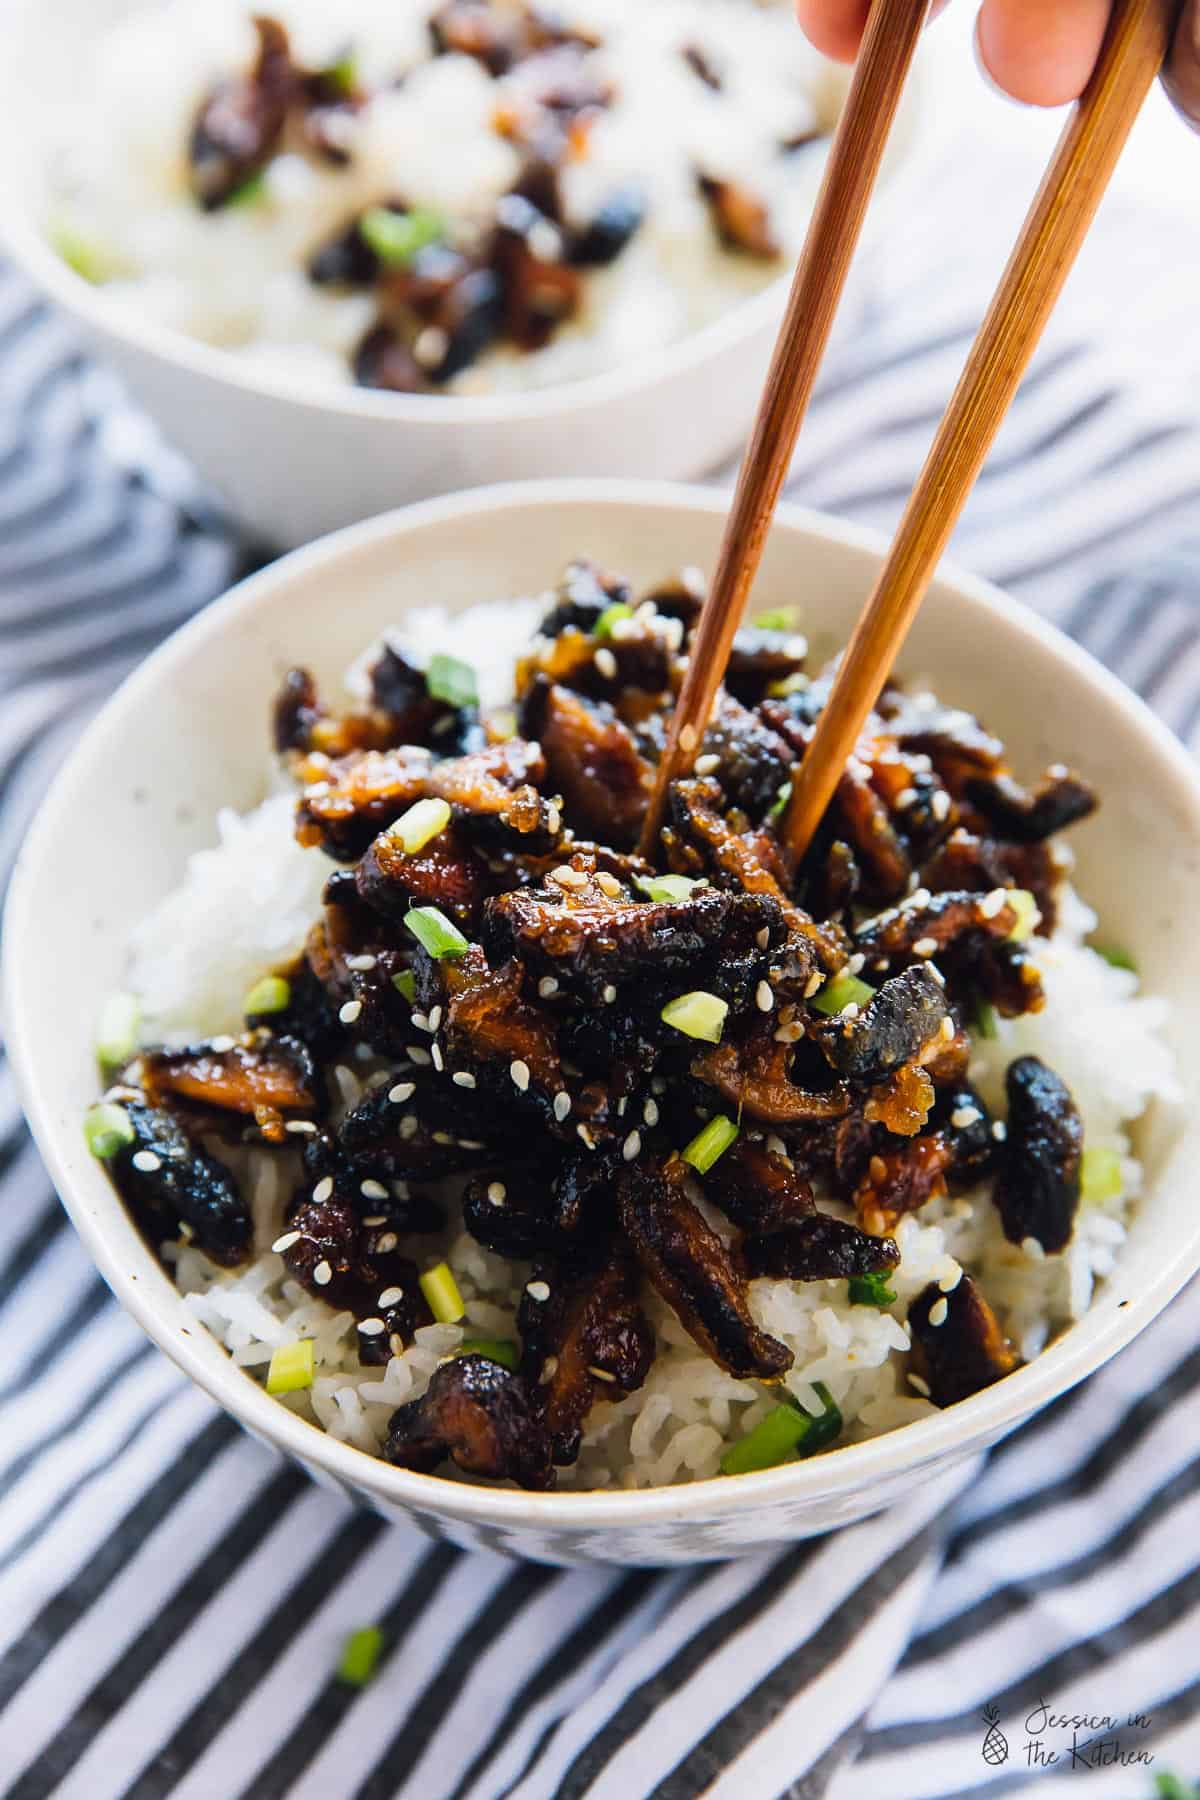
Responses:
[1181,77]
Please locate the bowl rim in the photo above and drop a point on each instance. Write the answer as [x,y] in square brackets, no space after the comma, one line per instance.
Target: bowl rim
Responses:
[843,1472]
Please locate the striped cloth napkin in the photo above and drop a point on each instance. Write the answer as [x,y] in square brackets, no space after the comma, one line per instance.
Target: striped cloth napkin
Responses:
[173,1597]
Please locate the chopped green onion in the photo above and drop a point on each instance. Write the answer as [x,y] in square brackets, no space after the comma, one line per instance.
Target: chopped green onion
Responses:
[270,995]
[117,1037]
[107,1128]
[405,984]
[360,1656]
[453,681]
[697,1015]
[781,800]
[841,992]
[1100,1176]
[441,1291]
[666,887]
[252,190]
[1170,1787]
[710,1144]
[1027,911]
[785,1432]
[778,618]
[423,821]
[869,1290]
[435,932]
[791,684]
[1120,959]
[985,1017]
[497,1350]
[395,237]
[291,1367]
[342,74]
[610,617]
[82,254]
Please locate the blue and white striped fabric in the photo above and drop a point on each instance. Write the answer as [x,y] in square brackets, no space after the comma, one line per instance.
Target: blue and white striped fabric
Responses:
[173,1597]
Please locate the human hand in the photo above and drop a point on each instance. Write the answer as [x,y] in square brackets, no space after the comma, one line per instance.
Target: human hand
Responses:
[1037,52]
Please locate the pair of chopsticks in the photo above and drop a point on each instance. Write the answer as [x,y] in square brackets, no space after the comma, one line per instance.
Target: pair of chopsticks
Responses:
[1050,239]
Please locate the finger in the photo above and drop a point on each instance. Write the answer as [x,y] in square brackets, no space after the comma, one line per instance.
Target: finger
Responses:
[834,26]
[1181,77]
[1042,54]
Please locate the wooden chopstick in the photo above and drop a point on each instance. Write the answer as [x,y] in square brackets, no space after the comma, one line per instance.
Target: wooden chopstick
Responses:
[1054,229]
[893,30]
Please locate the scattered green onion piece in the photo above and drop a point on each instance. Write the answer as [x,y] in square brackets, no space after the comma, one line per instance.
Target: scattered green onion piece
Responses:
[291,1367]
[405,984]
[1100,1176]
[342,74]
[697,1015]
[985,1017]
[609,617]
[453,681]
[117,1037]
[423,821]
[497,1350]
[710,1144]
[1120,959]
[1027,911]
[435,932]
[270,995]
[107,1128]
[778,618]
[395,237]
[82,254]
[441,1291]
[666,887]
[360,1656]
[1170,1787]
[798,683]
[786,1431]
[251,192]
[869,1290]
[781,800]
[841,992]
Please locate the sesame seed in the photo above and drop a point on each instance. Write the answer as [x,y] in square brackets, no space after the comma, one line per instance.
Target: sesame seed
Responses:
[547,987]
[993,903]
[650,1113]
[922,1387]
[442,1137]
[221,1044]
[939,805]
[350,1011]
[285,1242]
[396,1344]
[925,946]
[788,1034]
[416,1053]
[538,1290]
[631,1146]
[936,973]
[877,1169]
[323,1274]
[391,1296]
[372,1190]
[435,1018]
[439,1061]
[999,1131]
[815,981]
[323,1190]
[907,797]
[854,966]
[421,1021]
[573,878]
[764,999]
[519,1072]
[763,938]
[562,1104]
[497,1193]
[386,1242]
[431,346]
[947,1028]
[301,1127]
[409,1125]
[403,1090]
[371,1327]
[622,1103]
[608,884]
[949,1282]
[472,1144]
[549,1371]
[553,820]
[688,738]
[606,663]
[601,1374]
[363,962]
[939,1312]
[375,1219]
[609,994]
[146,1161]
[962,1116]
[851,1011]
[463,1078]
[1033,1249]
[586,1136]
[706,764]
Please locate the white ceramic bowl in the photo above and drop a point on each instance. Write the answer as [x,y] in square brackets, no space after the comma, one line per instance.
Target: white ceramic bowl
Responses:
[293,460]
[187,733]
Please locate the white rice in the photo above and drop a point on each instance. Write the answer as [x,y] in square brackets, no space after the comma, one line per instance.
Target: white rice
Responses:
[237,277]
[196,954]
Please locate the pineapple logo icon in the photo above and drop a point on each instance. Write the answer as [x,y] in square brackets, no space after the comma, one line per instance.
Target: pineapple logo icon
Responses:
[995,1744]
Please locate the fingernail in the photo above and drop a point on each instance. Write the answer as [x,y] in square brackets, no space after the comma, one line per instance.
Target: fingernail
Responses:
[989,80]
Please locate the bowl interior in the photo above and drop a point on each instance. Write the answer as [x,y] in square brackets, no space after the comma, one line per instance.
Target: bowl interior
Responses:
[188,734]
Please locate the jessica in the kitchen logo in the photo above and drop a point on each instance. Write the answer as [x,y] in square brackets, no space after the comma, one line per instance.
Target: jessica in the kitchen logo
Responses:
[1063,1741]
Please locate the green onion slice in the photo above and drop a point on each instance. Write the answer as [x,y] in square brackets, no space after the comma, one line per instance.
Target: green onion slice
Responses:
[395,237]
[610,617]
[251,192]
[1100,1176]
[985,1017]
[291,1367]
[781,800]
[273,994]
[1120,959]
[710,1144]
[342,74]
[405,984]
[870,1290]
[435,932]
[497,1350]
[107,1128]
[778,618]
[1027,911]
[667,887]
[117,1038]
[441,1292]
[697,1015]
[87,257]
[798,683]
[453,681]
[841,992]
[423,821]
[360,1656]
[785,1432]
